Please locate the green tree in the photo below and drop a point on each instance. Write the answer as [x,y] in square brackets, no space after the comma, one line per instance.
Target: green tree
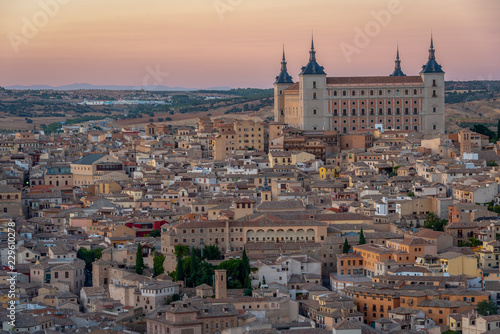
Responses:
[205,273]
[472,242]
[211,252]
[484,130]
[245,263]
[158,260]
[139,260]
[345,249]
[411,194]
[195,269]
[487,307]
[181,250]
[362,239]
[155,233]
[89,256]
[179,270]
[498,129]
[433,222]
[491,163]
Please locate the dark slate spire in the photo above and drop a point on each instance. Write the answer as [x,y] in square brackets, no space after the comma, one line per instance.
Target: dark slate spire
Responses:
[312,53]
[312,66]
[397,68]
[432,66]
[283,77]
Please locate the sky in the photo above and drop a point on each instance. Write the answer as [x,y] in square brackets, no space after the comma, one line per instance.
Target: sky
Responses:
[238,43]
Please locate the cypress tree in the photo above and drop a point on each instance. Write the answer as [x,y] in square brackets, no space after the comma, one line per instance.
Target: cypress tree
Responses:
[362,240]
[498,130]
[345,249]
[179,270]
[139,260]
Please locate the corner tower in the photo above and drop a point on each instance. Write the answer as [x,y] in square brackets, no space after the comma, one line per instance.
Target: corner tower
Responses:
[433,102]
[283,81]
[312,95]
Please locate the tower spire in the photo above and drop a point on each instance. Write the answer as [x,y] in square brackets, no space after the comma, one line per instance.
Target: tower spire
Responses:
[312,53]
[397,67]
[432,54]
[283,77]
[432,66]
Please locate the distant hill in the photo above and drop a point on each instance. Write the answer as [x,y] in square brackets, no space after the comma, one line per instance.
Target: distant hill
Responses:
[79,86]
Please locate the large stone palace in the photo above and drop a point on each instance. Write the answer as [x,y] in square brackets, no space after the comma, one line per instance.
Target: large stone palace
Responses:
[347,104]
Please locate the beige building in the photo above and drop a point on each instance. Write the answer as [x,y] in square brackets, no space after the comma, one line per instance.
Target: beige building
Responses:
[94,167]
[192,316]
[245,135]
[67,272]
[10,201]
[347,104]
[473,323]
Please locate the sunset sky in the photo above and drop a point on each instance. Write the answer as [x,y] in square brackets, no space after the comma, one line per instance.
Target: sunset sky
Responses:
[237,43]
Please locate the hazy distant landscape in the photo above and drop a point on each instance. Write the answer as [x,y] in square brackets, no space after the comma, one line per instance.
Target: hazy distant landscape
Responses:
[467,103]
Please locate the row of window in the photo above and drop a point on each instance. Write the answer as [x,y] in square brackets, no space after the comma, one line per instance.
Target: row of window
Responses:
[372,103]
[381,111]
[407,120]
[372,92]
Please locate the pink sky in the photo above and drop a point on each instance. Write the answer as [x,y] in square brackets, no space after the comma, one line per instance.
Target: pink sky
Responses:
[237,43]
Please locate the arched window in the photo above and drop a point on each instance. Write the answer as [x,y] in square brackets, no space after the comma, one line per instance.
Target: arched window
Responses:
[380,92]
[344,93]
[353,93]
[406,91]
[334,93]
[362,92]
[371,92]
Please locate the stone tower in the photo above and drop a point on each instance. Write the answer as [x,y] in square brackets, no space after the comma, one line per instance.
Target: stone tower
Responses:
[433,77]
[283,81]
[465,141]
[265,192]
[220,283]
[312,94]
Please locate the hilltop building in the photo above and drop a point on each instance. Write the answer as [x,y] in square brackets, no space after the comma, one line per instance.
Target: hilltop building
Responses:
[347,104]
